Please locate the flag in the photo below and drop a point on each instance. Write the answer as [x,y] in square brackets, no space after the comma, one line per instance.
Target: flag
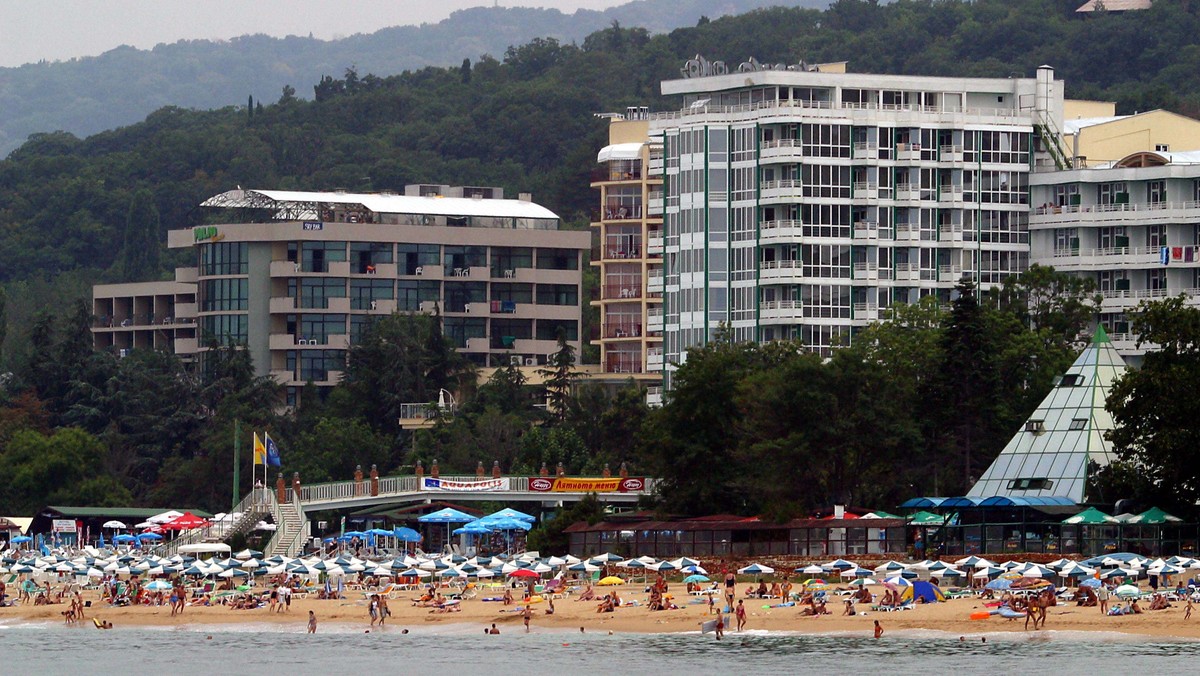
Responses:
[272,452]
[260,451]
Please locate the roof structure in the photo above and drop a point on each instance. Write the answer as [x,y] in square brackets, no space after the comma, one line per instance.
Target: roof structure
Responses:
[620,151]
[298,205]
[1050,456]
[1073,126]
[1114,5]
[116,512]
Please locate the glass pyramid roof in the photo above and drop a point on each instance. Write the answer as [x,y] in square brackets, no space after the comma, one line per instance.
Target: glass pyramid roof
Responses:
[1049,455]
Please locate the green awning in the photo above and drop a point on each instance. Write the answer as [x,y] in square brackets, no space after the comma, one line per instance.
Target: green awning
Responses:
[1154,516]
[1091,517]
[927,519]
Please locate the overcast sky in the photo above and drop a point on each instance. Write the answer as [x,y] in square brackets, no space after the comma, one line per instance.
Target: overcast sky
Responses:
[32,30]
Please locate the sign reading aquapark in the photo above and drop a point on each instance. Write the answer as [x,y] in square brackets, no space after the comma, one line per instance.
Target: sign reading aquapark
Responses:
[562,484]
[434,484]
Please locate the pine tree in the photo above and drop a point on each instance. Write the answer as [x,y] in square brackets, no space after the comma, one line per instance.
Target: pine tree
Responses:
[141,247]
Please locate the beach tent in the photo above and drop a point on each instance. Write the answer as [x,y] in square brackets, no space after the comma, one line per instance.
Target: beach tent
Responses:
[1090,517]
[927,519]
[1153,516]
[925,591]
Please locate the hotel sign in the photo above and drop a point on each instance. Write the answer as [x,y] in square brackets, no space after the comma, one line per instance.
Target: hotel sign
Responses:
[562,484]
[207,233]
[482,485]
[702,67]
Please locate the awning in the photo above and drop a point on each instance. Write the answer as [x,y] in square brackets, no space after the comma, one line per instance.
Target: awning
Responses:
[922,503]
[620,151]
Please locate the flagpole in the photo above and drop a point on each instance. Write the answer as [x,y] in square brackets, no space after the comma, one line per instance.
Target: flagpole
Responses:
[237,448]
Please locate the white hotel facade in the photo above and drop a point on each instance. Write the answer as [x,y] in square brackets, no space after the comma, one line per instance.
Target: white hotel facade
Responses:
[798,203]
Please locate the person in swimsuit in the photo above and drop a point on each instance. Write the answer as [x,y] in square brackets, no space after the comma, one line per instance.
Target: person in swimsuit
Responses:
[312,622]
[741,616]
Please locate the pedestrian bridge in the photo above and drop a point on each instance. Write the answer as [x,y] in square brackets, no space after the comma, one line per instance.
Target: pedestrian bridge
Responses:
[293,530]
[549,491]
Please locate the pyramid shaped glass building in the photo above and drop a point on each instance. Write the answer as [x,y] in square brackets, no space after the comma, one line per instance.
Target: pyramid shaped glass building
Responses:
[1049,455]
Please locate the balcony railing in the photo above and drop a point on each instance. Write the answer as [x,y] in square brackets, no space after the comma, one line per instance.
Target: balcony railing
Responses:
[622,330]
[623,363]
[621,212]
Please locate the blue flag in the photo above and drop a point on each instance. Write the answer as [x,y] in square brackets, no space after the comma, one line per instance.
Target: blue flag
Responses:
[272,452]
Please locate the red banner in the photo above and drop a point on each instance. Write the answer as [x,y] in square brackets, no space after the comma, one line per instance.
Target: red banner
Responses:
[561,484]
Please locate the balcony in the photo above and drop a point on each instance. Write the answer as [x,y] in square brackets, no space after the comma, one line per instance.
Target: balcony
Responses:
[628,249]
[654,397]
[186,275]
[654,320]
[952,154]
[866,270]
[1115,214]
[907,192]
[623,362]
[622,291]
[654,359]
[387,270]
[949,273]
[655,243]
[1107,257]
[907,232]
[186,346]
[780,310]
[951,232]
[907,272]
[284,269]
[865,190]
[866,231]
[612,174]
[779,270]
[282,305]
[865,150]
[781,191]
[950,192]
[1127,298]
[780,232]
[780,150]
[618,212]
[184,311]
[654,281]
[908,152]
[654,205]
[623,329]
[866,311]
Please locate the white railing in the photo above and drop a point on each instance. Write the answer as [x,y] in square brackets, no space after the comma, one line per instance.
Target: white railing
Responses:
[1109,251]
[773,225]
[1111,208]
[780,265]
[781,305]
[954,271]
[250,510]
[862,186]
[786,108]
[1137,294]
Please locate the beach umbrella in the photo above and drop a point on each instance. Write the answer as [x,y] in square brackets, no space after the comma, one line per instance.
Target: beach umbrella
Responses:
[185,521]
[606,558]
[523,572]
[699,570]
[969,561]
[696,578]
[813,569]
[862,582]
[510,513]
[1090,582]
[164,517]
[21,539]
[947,572]
[405,534]
[1127,591]
[984,573]
[998,585]
[158,585]
[1153,516]
[415,572]
[584,567]
[1118,572]
[683,563]
[247,554]
[149,536]
[756,569]
[114,524]
[233,572]
[662,566]
[447,515]
[610,580]
[1090,516]
[838,564]
[1036,571]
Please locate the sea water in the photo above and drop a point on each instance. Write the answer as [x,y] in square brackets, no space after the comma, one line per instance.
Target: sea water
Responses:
[242,649]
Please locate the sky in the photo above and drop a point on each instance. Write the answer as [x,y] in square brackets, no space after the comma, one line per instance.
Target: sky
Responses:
[54,30]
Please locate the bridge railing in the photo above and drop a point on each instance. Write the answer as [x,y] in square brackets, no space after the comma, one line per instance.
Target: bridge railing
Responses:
[399,485]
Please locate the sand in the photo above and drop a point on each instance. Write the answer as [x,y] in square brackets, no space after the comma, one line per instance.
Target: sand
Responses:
[951,617]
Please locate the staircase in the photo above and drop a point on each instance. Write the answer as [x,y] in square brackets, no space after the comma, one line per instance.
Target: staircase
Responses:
[1052,140]
[293,528]
[252,509]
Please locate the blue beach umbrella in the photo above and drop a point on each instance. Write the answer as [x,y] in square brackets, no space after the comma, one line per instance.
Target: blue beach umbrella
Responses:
[999,584]
[404,534]
[150,536]
[21,539]
[696,578]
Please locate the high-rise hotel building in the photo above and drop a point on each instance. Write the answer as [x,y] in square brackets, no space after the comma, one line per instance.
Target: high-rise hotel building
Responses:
[798,203]
[296,277]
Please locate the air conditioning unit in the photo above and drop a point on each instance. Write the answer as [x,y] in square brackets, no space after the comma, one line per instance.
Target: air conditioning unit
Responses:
[530,361]
[514,361]
[123,352]
[550,356]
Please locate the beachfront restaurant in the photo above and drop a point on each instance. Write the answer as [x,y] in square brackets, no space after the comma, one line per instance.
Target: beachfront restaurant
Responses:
[65,525]
[963,526]
[738,536]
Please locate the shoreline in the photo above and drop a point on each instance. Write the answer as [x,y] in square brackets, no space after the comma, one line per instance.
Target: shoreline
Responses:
[950,618]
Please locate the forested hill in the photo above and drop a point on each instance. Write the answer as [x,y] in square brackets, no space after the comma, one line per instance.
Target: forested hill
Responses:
[525,120]
[122,86]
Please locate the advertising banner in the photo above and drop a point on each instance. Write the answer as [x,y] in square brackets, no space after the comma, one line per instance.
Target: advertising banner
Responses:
[63,525]
[432,484]
[561,484]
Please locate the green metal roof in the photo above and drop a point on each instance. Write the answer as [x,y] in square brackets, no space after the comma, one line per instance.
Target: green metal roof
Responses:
[119,512]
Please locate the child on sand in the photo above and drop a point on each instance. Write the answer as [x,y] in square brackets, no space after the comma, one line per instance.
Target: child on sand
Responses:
[312,622]
[878,629]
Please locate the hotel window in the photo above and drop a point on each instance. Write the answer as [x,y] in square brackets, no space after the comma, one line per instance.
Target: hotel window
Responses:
[415,259]
[557,294]
[1156,235]
[1004,147]
[359,325]
[410,294]
[505,332]
[507,260]
[364,292]
[825,140]
[223,294]
[319,327]
[825,220]
[1112,193]
[1113,236]
[460,296]
[1066,241]
[1078,424]
[822,339]
[825,301]
[1156,192]
[316,256]
[1066,195]
[557,259]
[821,180]
[223,258]
[461,329]
[315,292]
[1113,280]
[316,364]
[458,260]
[826,260]
[224,329]
[364,256]
[1156,280]
[512,293]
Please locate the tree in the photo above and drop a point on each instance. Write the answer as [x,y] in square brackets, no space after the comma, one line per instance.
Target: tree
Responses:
[548,536]
[3,321]
[141,245]
[1154,408]
[559,377]
[464,71]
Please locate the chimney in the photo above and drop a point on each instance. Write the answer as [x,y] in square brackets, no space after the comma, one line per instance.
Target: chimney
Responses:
[525,196]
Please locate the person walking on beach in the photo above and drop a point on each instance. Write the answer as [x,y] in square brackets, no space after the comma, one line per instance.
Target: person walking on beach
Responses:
[383,609]
[878,629]
[730,583]
[312,622]
[741,616]
[285,599]
[373,609]
[1102,597]
[720,626]
[527,613]
[1187,610]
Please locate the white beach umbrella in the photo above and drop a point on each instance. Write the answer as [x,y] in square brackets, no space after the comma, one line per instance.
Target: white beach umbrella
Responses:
[813,569]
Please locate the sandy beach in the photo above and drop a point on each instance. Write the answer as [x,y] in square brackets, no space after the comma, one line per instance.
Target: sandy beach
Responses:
[951,617]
